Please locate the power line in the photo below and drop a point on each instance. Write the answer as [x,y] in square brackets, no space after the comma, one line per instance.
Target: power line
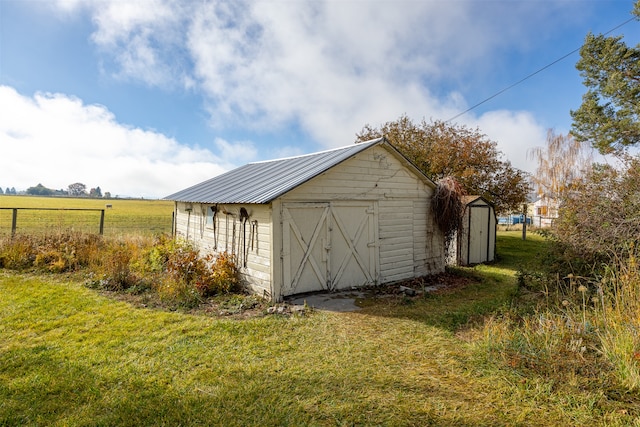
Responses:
[532,74]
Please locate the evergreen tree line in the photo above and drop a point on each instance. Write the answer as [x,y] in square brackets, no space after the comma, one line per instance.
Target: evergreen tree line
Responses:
[11,190]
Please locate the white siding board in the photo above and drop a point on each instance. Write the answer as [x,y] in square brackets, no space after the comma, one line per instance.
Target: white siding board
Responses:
[389,252]
[396,239]
[397,275]
[398,217]
[398,260]
[362,177]
[392,233]
[359,178]
[420,264]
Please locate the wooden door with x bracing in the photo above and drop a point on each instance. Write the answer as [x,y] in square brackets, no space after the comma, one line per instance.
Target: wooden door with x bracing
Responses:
[329,246]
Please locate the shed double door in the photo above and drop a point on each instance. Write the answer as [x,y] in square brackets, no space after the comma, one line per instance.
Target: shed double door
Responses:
[328,246]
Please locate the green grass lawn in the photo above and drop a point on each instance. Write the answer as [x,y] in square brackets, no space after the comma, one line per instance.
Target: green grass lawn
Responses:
[515,253]
[70,356]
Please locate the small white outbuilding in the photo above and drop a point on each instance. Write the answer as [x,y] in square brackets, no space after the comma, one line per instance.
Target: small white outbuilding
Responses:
[476,242]
[338,219]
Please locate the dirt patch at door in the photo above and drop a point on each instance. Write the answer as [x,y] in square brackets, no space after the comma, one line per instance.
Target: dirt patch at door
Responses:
[247,306]
[352,300]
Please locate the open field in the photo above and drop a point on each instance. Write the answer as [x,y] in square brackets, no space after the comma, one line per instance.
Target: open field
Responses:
[125,216]
[71,356]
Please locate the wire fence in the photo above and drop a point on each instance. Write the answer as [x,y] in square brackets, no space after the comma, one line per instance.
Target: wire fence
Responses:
[86,220]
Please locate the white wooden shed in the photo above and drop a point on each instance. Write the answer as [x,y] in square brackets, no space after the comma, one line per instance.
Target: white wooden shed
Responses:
[338,219]
[476,243]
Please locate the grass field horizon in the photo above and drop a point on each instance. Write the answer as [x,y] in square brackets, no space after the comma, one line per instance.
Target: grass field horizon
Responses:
[123,216]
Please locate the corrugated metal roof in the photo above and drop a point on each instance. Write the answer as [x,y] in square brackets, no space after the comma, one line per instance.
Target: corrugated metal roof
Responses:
[262,182]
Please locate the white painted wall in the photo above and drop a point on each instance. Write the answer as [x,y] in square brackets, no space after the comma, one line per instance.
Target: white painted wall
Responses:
[250,242]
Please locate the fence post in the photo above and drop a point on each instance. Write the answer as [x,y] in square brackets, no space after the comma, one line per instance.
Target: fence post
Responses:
[14,221]
[524,222]
[101,222]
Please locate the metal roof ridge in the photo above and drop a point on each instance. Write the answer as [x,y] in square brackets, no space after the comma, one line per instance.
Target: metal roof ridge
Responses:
[315,153]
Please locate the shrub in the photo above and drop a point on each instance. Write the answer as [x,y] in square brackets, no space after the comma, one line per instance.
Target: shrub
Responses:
[53,260]
[178,266]
[534,281]
[173,268]
[113,266]
[177,292]
[184,264]
[222,277]
[599,218]
[190,276]
[181,276]
[155,254]
[67,251]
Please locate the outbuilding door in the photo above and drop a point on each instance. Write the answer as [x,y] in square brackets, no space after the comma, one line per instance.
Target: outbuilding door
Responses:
[328,246]
[479,234]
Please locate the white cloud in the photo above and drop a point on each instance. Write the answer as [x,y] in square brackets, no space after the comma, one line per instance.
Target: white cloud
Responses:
[326,67]
[515,132]
[57,140]
[240,152]
[145,38]
[330,66]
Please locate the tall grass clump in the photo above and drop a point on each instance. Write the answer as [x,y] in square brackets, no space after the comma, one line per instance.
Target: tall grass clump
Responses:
[55,252]
[17,253]
[619,297]
[583,329]
[114,268]
[550,343]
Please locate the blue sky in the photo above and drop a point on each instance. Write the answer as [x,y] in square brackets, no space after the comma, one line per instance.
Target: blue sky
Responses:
[145,98]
